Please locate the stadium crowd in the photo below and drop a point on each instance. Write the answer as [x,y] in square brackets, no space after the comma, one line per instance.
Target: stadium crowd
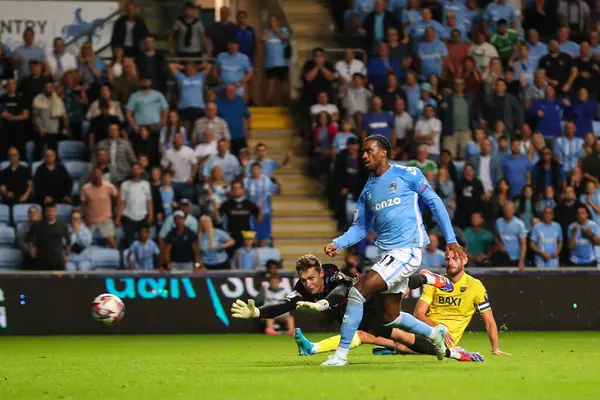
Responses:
[103,166]
[495,102]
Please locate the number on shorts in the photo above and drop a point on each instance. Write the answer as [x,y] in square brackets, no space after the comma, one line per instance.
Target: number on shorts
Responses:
[387,260]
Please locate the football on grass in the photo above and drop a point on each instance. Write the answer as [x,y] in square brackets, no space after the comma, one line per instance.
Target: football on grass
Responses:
[108,308]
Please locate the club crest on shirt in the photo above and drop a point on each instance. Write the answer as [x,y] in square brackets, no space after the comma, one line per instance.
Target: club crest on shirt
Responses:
[423,185]
[355,216]
[463,289]
[392,187]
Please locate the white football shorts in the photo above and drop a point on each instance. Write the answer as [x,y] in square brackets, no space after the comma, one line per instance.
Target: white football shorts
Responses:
[395,266]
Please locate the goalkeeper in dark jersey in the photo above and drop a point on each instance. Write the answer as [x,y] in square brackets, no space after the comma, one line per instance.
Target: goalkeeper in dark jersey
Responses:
[324,288]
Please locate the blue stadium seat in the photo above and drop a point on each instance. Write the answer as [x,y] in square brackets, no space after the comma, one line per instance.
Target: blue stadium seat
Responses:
[75,168]
[19,212]
[63,212]
[5,164]
[596,125]
[10,259]
[105,258]
[29,148]
[7,236]
[4,214]
[35,165]
[69,150]
[267,253]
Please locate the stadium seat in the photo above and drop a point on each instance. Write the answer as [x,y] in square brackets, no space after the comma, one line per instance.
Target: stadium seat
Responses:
[4,214]
[19,212]
[5,164]
[596,125]
[267,253]
[29,148]
[35,165]
[69,150]
[10,259]
[75,168]
[7,236]
[63,212]
[105,258]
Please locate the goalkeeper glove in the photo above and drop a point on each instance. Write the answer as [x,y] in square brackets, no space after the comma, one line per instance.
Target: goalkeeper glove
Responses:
[239,309]
[319,306]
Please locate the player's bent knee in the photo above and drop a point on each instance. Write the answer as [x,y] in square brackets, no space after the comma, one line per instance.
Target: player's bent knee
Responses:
[354,295]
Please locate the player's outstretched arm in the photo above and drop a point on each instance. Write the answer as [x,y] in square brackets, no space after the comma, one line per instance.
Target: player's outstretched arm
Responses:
[357,231]
[492,331]
[334,297]
[241,310]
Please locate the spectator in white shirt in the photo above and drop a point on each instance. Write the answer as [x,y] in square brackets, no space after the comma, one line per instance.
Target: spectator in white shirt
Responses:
[345,70]
[482,52]
[182,162]
[60,61]
[135,206]
[324,105]
[403,123]
[427,131]
[206,149]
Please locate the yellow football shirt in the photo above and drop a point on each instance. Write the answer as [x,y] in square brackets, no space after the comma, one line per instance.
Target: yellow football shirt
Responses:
[455,309]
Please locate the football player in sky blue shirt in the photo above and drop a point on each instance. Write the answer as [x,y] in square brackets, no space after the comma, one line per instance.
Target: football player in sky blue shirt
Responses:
[233,67]
[389,205]
[546,240]
[583,235]
[511,236]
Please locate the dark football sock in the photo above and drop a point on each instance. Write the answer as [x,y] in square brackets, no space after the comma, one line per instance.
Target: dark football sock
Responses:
[415,281]
[424,346]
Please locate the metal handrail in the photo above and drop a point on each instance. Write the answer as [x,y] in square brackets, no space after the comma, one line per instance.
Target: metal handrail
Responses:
[95,25]
[342,50]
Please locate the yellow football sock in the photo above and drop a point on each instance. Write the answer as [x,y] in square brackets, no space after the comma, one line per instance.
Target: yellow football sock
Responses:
[332,343]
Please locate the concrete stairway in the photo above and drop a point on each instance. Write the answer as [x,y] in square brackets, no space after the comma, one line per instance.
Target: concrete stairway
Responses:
[302,223]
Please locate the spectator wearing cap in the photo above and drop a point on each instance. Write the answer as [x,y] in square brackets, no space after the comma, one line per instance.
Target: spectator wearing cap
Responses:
[81,239]
[246,258]
[188,37]
[275,40]
[15,180]
[267,165]
[120,153]
[128,31]
[380,66]
[97,198]
[379,122]
[33,83]
[214,243]
[14,119]
[99,125]
[504,40]
[233,67]
[144,253]
[260,189]
[51,181]
[222,32]
[151,63]
[27,52]
[48,113]
[428,131]
[191,90]
[181,247]
[211,121]
[456,112]
[182,162]
[135,208]
[49,241]
[346,69]
[185,206]
[433,56]
[234,110]
[230,164]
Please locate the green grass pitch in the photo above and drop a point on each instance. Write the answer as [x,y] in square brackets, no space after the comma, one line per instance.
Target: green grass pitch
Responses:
[542,366]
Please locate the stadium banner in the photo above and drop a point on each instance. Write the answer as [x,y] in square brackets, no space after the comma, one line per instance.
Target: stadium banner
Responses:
[53,303]
[50,19]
